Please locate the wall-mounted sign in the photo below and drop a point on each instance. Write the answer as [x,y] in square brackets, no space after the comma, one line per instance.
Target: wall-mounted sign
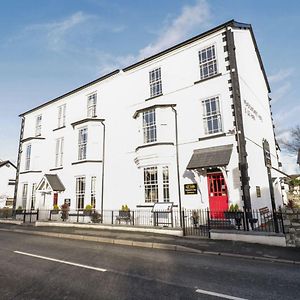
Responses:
[190,189]
[267,154]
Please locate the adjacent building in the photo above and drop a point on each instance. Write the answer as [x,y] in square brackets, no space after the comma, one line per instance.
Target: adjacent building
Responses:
[7,183]
[190,125]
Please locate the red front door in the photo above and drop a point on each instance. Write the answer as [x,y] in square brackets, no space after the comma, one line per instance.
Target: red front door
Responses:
[217,194]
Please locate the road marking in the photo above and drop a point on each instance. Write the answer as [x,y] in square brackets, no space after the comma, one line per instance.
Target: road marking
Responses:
[62,261]
[218,295]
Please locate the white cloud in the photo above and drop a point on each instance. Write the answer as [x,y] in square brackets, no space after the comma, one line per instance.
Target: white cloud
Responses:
[56,31]
[289,163]
[281,75]
[281,91]
[190,17]
[174,31]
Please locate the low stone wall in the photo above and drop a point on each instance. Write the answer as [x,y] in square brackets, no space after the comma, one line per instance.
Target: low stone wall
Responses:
[265,238]
[291,222]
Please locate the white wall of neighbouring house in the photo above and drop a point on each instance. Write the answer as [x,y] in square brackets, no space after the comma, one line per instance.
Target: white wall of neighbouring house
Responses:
[7,173]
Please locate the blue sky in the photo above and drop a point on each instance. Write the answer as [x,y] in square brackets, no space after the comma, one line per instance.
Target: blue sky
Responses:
[48,47]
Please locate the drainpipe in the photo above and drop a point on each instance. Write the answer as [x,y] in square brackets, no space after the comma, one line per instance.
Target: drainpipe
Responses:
[103,161]
[177,165]
[18,162]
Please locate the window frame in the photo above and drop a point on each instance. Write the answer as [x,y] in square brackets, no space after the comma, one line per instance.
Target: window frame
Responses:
[80,193]
[33,195]
[92,105]
[61,116]
[82,143]
[93,191]
[149,128]
[24,195]
[206,63]
[59,152]
[212,116]
[155,82]
[28,157]
[157,188]
[38,125]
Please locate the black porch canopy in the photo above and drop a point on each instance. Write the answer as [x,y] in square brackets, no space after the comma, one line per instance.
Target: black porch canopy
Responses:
[210,157]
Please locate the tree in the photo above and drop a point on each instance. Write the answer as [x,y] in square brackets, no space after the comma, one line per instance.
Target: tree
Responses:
[293,144]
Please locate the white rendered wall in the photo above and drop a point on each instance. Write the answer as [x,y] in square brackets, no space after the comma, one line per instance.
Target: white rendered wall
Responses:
[6,190]
[118,98]
[256,117]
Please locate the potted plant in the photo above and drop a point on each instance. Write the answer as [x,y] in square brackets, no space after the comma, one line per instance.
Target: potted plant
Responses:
[124,212]
[233,212]
[95,217]
[19,210]
[88,210]
[65,211]
[55,209]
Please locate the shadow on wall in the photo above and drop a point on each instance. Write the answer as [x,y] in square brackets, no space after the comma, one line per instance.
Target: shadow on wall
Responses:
[192,176]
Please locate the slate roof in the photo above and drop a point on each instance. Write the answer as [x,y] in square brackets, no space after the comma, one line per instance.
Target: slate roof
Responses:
[210,157]
[5,162]
[55,182]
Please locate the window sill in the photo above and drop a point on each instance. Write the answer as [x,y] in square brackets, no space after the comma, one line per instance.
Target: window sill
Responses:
[59,128]
[86,161]
[153,97]
[151,205]
[86,120]
[205,79]
[54,169]
[32,138]
[154,144]
[30,171]
[212,136]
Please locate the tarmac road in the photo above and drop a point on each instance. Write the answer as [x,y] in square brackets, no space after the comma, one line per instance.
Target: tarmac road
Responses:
[35,267]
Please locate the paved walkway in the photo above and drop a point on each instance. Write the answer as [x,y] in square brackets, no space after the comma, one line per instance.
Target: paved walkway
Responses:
[200,245]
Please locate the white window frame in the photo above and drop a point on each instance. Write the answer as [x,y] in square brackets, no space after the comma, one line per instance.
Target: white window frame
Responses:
[214,114]
[33,196]
[59,152]
[38,125]
[155,82]
[166,183]
[61,116]
[208,66]
[157,185]
[80,191]
[24,195]
[93,191]
[149,126]
[82,143]
[28,157]
[92,105]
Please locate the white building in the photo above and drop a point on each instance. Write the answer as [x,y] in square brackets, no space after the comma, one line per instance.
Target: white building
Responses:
[185,125]
[7,183]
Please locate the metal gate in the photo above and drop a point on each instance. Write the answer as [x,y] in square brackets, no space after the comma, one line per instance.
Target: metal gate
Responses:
[196,222]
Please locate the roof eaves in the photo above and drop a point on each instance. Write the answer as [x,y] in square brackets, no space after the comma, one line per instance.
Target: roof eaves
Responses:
[72,92]
[184,43]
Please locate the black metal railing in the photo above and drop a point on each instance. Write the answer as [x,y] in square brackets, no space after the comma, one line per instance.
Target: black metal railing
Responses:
[26,216]
[145,218]
[201,221]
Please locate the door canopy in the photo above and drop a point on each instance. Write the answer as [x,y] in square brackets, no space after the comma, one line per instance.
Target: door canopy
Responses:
[50,183]
[210,157]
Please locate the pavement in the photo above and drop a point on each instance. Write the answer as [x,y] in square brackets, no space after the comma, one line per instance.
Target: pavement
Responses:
[150,240]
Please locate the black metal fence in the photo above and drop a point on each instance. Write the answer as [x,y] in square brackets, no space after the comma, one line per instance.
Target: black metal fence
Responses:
[141,217]
[200,222]
[194,222]
[26,216]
